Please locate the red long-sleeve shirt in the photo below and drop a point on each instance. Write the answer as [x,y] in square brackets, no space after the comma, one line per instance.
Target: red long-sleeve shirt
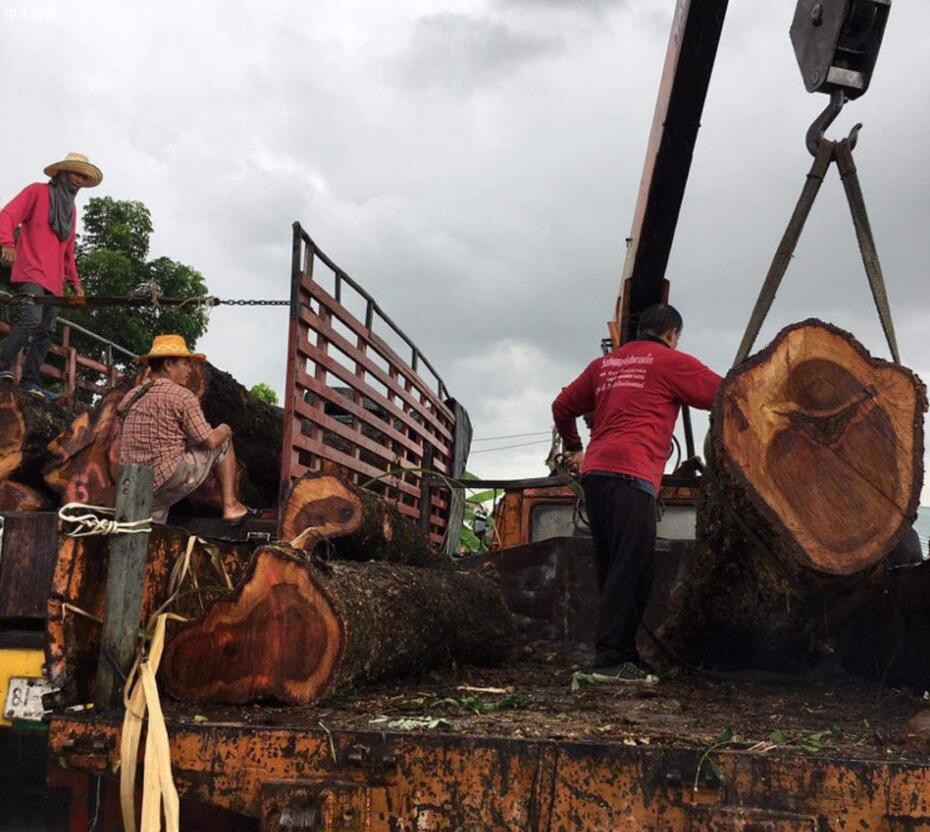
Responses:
[635,393]
[40,256]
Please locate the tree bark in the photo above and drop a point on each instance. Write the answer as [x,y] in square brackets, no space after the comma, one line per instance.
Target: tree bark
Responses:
[815,465]
[299,629]
[359,524]
[27,425]
[257,429]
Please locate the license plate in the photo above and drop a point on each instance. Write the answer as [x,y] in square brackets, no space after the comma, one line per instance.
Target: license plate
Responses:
[24,698]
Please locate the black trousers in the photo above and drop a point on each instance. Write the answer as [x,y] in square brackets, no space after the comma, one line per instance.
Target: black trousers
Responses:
[623,525]
[36,324]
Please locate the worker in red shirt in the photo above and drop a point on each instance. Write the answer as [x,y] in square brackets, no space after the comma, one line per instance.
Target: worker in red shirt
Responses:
[635,393]
[43,260]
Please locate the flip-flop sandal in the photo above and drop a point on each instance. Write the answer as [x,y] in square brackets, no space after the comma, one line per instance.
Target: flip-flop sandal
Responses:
[250,514]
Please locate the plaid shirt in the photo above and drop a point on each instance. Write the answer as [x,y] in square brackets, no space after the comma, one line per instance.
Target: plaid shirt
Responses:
[160,425]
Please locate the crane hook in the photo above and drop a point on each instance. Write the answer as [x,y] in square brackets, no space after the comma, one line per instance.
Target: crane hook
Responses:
[815,132]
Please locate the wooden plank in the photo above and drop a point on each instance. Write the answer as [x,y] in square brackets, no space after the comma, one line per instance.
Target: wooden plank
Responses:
[119,637]
[344,374]
[29,552]
[347,432]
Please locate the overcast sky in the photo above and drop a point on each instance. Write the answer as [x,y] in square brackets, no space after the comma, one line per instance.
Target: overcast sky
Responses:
[474,165]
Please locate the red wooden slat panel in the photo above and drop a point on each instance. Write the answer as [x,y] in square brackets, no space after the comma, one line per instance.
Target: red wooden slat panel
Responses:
[386,352]
[319,326]
[408,421]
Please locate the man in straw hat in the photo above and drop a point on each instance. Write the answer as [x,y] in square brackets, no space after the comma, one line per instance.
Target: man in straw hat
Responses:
[164,428]
[42,259]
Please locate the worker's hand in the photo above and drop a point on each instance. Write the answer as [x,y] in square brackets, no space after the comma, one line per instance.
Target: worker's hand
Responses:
[7,255]
[574,460]
[78,290]
[227,431]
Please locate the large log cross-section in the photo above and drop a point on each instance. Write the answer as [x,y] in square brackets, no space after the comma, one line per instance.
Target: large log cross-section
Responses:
[815,468]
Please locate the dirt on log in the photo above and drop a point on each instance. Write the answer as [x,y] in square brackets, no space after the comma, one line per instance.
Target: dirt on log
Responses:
[27,425]
[299,629]
[358,524]
[76,600]
[815,466]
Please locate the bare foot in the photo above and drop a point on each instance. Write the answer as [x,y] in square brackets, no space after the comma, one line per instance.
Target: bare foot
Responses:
[235,511]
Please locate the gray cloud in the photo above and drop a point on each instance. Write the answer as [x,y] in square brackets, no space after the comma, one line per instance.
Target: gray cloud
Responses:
[490,226]
[463,52]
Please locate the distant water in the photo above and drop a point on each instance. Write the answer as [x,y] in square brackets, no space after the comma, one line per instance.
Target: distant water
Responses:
[923,526]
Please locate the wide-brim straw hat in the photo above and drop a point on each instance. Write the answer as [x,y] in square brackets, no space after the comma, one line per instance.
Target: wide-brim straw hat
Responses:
[170,346]
[78,163]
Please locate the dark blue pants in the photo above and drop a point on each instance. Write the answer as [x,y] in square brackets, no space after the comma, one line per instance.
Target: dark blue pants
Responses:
[36,324]
[623,525]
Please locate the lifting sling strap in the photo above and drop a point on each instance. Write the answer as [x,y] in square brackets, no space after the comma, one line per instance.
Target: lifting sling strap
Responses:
[827,153]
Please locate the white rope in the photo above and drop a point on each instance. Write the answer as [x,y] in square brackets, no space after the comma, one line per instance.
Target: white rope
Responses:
[86,521]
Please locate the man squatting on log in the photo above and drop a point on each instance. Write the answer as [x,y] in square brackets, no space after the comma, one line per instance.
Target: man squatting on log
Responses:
[164,428]
[43,261]
[635,393]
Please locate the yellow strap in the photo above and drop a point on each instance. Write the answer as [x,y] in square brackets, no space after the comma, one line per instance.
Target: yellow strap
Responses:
[158,790]
[140,694]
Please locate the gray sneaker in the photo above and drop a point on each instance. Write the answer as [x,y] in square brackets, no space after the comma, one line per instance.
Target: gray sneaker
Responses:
[7,375]
[627,673]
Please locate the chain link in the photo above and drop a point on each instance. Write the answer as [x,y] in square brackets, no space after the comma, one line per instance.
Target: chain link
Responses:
[260,302]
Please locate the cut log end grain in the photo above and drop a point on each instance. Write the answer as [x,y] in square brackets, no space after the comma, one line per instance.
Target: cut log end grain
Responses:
[297,631]
[280,638]
[358,524]
[826,443]
[12,433]
[322,502]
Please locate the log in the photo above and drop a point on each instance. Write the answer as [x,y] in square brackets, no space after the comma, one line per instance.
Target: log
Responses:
[14,496]
[815,465]
[298,630]
[27,425]
[359,524]
[257,432]
[76,599]
[84,458]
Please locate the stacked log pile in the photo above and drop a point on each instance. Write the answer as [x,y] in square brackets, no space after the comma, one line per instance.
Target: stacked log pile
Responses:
[48,456]
[27,426]
[76,600]
[815,467]
[360,596]
[284,623]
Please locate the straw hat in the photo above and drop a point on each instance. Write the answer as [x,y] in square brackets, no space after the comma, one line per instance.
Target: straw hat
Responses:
[170,346]
[78,163]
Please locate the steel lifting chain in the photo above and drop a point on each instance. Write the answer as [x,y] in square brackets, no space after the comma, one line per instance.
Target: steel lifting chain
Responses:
[148,297]
[262,302]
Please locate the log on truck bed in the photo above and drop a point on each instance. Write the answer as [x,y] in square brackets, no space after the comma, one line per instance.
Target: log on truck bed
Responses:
[76,600]
[298,629]
[815,465]
[357,524]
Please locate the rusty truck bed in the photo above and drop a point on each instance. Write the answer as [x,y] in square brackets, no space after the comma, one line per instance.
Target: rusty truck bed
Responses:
[533,698]
[434,753]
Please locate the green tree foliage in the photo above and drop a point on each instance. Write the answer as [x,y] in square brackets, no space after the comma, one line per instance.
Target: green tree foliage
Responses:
[264,393]
[111,259]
